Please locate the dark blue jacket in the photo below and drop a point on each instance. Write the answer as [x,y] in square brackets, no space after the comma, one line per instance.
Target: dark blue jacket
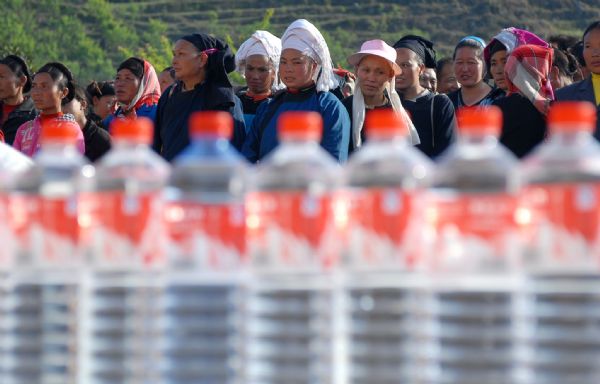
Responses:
[262,135]
[171,134]
[581,91]
[434,120]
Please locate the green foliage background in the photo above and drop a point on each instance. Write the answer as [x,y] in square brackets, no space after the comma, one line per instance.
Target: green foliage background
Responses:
[93,36]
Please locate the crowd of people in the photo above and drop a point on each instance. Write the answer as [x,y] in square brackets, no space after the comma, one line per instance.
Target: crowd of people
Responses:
[515,70]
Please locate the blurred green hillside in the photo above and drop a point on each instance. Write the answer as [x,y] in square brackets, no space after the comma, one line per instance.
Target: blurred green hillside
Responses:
[93,36]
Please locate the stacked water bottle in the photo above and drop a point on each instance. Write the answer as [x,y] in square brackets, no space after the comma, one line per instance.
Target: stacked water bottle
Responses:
[478,269]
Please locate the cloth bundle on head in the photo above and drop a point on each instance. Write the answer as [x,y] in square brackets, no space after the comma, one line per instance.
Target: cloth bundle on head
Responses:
[260,43]
[380,49]
[149,90]
[509,39]
[421,46]
[527,70]
[220,58]
[301,35]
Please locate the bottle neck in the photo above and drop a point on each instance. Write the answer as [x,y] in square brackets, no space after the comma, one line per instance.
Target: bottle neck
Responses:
[570,138]
[59,148]
[127,144]
[481,139]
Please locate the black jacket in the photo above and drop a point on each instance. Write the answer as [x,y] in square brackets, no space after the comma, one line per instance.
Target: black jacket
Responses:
[434,120]
[23,113]
[97,140]
[523,126]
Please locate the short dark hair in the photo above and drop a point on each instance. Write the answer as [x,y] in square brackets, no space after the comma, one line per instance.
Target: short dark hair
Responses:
[62,76]
[563,42]
[18,66]
[591,27]
[439,67]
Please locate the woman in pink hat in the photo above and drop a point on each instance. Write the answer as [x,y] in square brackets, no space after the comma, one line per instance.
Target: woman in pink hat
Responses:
[376,68]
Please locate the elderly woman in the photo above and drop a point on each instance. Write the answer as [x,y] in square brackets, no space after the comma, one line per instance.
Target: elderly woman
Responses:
[376,68]
[257,60]
[470,70]
[201,64]
[305,69]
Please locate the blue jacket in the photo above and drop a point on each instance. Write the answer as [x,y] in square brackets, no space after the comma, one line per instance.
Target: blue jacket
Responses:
[148,111]
[262,135]
[171,134]
[581,91]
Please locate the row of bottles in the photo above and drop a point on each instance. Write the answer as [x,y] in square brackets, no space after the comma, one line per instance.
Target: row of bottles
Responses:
[476,270]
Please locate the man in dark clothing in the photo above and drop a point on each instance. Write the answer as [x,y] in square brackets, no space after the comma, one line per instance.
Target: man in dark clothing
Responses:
[432,115]
[201,64]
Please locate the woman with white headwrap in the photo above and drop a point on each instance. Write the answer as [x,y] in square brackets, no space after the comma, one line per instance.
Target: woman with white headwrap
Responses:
[257,60]
[305,68]
[376,68]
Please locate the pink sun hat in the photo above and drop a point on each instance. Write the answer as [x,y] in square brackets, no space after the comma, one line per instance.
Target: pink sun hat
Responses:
[376,48]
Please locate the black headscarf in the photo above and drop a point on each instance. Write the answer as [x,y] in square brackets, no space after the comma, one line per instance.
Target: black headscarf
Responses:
[220,62]
[421,46]
[19,67]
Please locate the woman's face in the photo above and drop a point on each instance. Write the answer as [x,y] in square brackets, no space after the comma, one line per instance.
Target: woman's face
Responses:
[373,74]
[468,67]
[10,85]
[497,63]
[259,74]
[104,106]
[591,50]
[296,69]
[126,86]
[186,60]
[447,82]
[46,94]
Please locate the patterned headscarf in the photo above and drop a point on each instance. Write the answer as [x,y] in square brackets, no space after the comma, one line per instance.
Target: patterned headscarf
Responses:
[306,38]
[512,38]
[148,92]
[527,70]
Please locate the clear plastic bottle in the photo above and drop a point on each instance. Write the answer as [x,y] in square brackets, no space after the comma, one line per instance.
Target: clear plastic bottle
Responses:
[467,323]
[560,214]
[291,234]
[123,292]
[385,241]
[12,165]
[43,315]
[206,225]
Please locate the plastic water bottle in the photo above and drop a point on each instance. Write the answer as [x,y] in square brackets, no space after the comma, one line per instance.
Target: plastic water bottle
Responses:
[385,238]
[43,313]
[12,164]
[561,217]
[123,291]
[467,323]
[206,225]
[291,233]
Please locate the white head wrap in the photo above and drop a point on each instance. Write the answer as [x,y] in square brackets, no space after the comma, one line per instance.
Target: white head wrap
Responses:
[260,43]
[359,113]
[301,35]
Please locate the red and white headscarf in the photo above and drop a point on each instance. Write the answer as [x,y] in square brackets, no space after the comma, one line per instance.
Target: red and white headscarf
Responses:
[528,72]
[148,92]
